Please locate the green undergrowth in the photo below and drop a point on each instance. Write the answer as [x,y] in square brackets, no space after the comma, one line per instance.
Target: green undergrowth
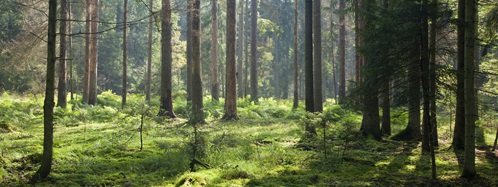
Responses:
[100,146]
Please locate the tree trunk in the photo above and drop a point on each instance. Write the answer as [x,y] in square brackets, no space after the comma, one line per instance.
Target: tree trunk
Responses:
[231,87]
[189,50]
[246,49]
[88,28]
[92,87]
[432,67]
[240,50]
[197,105]
[48,107]
[356,43]
[459,133]
[123,92]
[149,57]
[254,57]
[424,64]
[308,56]
[166,108]
[215,92]
[61,88]
[385,93]
[70,47]
[342,51]
[296,96]
[317,49]
[469,170]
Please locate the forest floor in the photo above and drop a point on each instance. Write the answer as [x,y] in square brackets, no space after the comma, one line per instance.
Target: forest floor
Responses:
[100,146]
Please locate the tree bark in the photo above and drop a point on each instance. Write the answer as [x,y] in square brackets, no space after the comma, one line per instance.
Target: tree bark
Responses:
[296,88]
[88,28]
[308,56]
[424,64]
[240,50]
[432,68]
[317,50]
[197,105]
[149,57]
[385,94]
[61,88]
[469,170]
[70,46]
[342,52]
[215,92]
[125,21]
[254,57]
[92,87]
[246,49]
[189,50]
[166,108]
[48,107]
[231,87]
[459,133]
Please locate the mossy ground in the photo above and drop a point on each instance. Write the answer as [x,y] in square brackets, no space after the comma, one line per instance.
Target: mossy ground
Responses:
[100,146]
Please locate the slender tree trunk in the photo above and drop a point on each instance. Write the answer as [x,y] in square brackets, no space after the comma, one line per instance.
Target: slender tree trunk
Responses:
[469,170]
[61,88]
[149,57]
[459,133]
[254,57]
[70,46]
[240,50]
[317,49]
[432,67]
[92,87]
[166,108]
[296,96]
[342,51]
[88,28]
[48,107]
[231,87]
[123,92]
[189,50]
[332,51]
[385,94]
[246,49]
[215,92]
[424,64]
[356,43]
[197,105]
[308,55]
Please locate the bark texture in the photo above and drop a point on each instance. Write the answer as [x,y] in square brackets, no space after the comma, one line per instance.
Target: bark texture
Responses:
[317,61]
[61,88]
[231,87]
[254,57]
[308,55]
[166,108]
[197,105]
[215,91]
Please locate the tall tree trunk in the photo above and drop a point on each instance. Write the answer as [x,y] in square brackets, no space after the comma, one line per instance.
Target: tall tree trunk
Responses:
[48,107]
[424,64]
[92,87]
[231,87]
[308,55]
[88,28]
[70,46]
[356,43]
[197,105]
[370,124]
[215,92]
[459,133]
[385,94]
[296,96]
[123,92]
[240,50]
[254,57]
[189,50]
[317,49]
[469,170]
[166,108]
[432,68]
[149,57]
[61,88]
[332,51]
[342,51]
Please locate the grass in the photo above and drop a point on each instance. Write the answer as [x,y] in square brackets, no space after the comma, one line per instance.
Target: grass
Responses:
[100,146]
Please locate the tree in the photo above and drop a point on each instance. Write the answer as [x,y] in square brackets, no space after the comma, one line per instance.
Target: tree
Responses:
[231,87]
[61,88]
[166,108]
[254,57]
[317,49]
[125,21]
[385,94]
[92,68]
[240,50]
[88,28]
[308,56]
[197,105]
[189,50]
[70,46]
[469,170]
[459,133]
[215,92]
[342,52]
[48,106]
[296,96]
[432,76]
[246,49]
[424,64]
[149,56]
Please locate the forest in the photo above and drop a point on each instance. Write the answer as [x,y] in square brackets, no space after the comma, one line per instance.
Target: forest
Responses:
[248,93]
